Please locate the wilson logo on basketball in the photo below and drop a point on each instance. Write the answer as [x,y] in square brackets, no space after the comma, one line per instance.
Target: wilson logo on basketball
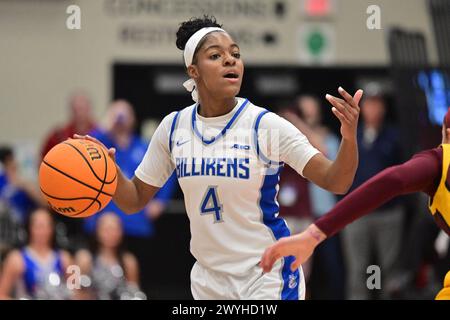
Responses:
[92,150]
[63,210]
[94,154]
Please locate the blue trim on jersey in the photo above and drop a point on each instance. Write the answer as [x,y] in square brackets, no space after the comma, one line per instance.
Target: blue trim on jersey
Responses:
[29,274]
[32,270]
[172,129]
[255,139]
[270,210]
[223,132]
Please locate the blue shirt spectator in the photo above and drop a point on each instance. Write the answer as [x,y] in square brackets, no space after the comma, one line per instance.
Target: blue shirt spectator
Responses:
[17,201]
[384,151]
[378,143]
[19,196]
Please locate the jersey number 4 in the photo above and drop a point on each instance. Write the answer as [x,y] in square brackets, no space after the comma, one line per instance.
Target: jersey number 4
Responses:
[211,204]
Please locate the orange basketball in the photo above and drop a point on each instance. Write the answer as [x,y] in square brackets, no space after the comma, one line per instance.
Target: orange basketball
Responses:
[78,178]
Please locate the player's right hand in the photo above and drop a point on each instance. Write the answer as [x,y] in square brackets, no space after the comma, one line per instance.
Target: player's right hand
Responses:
[111,151]
[347,110]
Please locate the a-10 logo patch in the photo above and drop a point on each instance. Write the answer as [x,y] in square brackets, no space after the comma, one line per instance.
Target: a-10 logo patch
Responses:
[240,147]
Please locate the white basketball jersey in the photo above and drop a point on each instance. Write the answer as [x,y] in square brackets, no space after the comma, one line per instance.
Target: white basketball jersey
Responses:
[231,203]
[230,187]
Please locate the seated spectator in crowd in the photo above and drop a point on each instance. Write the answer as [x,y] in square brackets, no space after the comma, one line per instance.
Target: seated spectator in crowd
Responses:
[113,273]
[19,196]
[81,121]
[38,270]
[130,149]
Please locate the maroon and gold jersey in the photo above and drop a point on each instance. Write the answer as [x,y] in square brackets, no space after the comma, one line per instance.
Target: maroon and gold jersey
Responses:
[440,208]
[440,202]
[427,171]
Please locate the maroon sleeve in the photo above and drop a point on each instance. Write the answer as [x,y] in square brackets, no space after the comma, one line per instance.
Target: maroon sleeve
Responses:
[49,143]
[421,173]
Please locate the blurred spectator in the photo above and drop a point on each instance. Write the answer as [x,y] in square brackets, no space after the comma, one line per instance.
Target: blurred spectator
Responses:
[81,121]
[328,262]
[379,234]
[113,273]
[130,149]
[327,142]
[38,270]
[293,195]
[18,197]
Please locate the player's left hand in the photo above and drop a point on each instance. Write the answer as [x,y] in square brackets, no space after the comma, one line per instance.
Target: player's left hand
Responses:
[301,246]
[347,111]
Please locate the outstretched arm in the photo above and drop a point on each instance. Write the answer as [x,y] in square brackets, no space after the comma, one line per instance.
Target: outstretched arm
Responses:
[337,176]
[418,174]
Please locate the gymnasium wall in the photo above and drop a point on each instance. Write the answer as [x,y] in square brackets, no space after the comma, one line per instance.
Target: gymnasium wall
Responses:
[42,62]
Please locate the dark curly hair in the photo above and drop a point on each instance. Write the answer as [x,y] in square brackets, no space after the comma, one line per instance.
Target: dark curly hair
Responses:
[188,28]
[6,153]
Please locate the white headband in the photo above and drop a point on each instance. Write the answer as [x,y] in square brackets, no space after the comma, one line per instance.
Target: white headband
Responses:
[189,50]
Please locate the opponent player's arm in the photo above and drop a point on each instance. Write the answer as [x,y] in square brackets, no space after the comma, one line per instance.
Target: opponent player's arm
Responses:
[415,175]
[418,174]
[337,176]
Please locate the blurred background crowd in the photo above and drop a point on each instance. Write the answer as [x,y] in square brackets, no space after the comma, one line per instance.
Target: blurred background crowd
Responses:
[118,76]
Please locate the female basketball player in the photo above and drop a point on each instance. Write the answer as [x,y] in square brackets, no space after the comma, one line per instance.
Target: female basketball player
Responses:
[227,154]
[426,172]
[37,271]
